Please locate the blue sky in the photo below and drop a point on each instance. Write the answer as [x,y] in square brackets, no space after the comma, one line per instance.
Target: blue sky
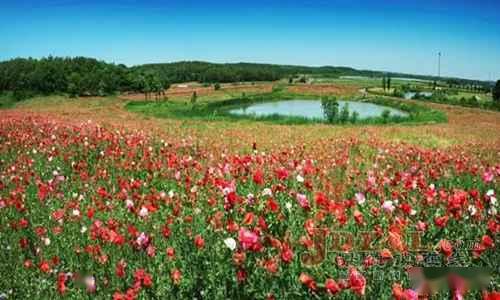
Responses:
[393,35]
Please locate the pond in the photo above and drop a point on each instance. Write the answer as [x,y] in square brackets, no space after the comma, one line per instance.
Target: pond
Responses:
[312,109]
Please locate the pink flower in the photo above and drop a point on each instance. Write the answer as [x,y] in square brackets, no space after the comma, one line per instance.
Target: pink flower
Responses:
[488,176]
[247,238]
[303,201]
[360,198]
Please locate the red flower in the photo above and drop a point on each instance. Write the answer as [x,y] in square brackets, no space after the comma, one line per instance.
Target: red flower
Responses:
[487,241]
[446,248]
[491,296]
[44,266]
[241,275]
[258,177]
[281,173]
[143,278]
[400,294]
[441,221]
[199,242]
[61,283]
[120,268]
[357,281]
[332,286]
[273,205]
[176,276]
[308,281]
[286,253]
[171,252]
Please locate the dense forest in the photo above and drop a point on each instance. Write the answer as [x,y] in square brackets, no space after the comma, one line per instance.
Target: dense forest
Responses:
[81,76]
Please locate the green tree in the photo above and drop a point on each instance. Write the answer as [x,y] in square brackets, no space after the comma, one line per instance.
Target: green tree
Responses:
[385,115]
[194,98]
[496,93]
[217,86]
[330,109]
[389,82]
[354,117]
[384,83]
[75,84]
[344,114]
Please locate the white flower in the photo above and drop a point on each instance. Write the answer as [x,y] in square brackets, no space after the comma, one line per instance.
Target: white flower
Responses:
[230,243]
[492,211]
[89,283]
[171,193]
[288,205]
[143,212]
[76,212]
[267,192]
[472,210]
[388,206]
[300,178]
[413,212]
[163,194]
[493,201]
[129,203]
[490,193]
[46,241]
[84,229]
[360,198]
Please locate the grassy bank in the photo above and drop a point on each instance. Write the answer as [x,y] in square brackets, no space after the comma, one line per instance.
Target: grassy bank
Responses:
[219,110]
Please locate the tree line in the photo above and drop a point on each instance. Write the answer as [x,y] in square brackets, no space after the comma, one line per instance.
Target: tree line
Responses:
[78,76]
[82,76]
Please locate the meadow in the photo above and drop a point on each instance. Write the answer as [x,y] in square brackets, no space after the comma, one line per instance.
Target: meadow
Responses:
[118,197]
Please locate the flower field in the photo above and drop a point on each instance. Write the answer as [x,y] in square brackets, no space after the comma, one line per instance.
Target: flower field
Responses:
[108,213]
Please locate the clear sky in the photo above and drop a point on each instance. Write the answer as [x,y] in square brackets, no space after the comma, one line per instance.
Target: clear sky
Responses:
[391,35]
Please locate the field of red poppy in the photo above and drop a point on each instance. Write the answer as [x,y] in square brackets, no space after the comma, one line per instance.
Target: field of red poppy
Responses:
[99,202]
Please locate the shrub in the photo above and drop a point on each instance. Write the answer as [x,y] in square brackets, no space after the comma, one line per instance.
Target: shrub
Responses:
[385,115]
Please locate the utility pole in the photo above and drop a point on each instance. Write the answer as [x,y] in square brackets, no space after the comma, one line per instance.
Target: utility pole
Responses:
[439,65]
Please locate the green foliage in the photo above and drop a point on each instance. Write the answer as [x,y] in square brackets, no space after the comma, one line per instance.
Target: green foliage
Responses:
[344,114]
[217,86]
[354,117]
[385,115]
[496,93]
[194,98]
[76,76]
[330,108]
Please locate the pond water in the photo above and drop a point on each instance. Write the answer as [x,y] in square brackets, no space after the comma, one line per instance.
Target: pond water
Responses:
[312,109]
